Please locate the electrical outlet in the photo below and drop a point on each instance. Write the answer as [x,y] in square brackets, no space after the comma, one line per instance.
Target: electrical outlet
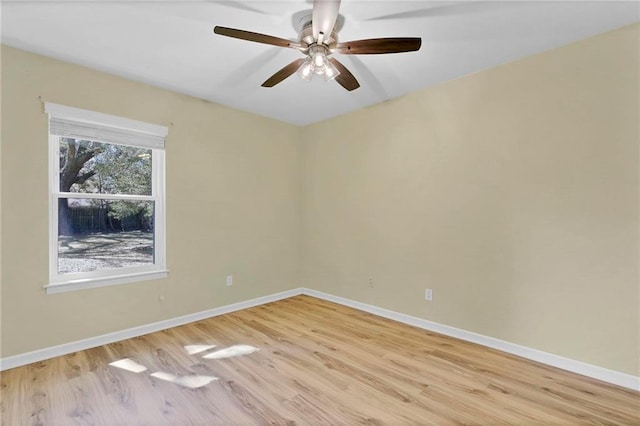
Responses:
[229,280]
[370,282]
[428,294]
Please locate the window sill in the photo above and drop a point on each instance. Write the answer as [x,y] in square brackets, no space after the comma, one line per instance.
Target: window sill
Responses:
[86,283]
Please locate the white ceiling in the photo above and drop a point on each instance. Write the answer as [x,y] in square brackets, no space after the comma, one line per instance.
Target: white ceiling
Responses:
[171,44]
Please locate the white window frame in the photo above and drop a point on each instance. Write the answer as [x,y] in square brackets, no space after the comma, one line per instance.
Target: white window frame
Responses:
[105,128]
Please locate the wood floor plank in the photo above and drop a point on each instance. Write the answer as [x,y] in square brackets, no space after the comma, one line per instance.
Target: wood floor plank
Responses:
[314,363]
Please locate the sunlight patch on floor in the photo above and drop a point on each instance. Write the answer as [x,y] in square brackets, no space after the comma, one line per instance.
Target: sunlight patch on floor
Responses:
[191,382]
[236,350]
[196,349]
[129,365]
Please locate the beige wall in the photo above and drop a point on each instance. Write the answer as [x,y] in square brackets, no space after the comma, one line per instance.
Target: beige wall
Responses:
[0,205]
[512,193]
[233,205]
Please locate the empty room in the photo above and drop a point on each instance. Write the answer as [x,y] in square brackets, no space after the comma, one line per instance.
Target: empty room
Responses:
[319,212]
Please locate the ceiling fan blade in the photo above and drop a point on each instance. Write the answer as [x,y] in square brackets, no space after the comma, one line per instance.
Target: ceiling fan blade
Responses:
[241,6]
[373,83]
[323,17]
[446,10]
[345,78]
[420,13]
[379,45]
[249,68]
[257,37]
[285,72]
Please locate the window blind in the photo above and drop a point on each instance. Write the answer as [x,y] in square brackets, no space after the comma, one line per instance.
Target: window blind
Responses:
[90,125]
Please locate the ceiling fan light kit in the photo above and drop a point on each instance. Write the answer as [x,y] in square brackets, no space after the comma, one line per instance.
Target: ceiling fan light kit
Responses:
[318,41]
[317,63]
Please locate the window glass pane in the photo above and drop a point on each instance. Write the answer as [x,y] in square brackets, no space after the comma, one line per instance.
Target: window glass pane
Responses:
[97,234]
[87,166]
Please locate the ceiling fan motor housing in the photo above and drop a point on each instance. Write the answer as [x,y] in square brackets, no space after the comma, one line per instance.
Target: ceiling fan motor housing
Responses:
[306,36]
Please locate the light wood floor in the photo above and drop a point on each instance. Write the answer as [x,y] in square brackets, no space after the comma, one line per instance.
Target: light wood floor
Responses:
[318,363]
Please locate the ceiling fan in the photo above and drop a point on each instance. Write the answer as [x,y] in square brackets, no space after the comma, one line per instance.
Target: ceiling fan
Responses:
[318,41]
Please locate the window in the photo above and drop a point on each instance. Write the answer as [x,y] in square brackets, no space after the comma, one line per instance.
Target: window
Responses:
[107,200]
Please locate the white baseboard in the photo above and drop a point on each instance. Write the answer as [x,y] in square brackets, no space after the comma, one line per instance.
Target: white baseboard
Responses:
[92,342]
[589,370]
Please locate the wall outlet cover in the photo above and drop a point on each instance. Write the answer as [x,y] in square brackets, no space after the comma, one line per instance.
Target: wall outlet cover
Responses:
[428,294]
